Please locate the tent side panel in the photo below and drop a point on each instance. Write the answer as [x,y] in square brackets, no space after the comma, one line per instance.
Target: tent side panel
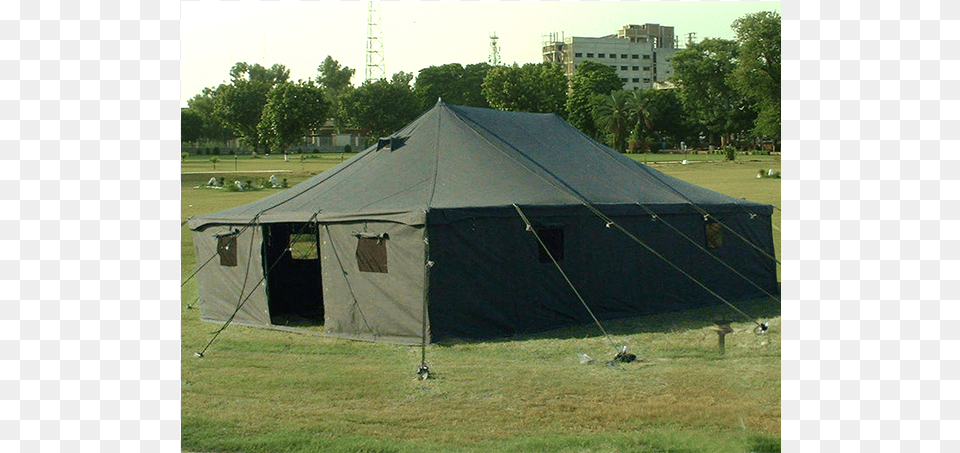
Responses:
[222,279]
[373,281]
[488,282]
[492,280]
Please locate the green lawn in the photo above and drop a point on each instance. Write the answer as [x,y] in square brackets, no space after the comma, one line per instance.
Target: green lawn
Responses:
[260,390]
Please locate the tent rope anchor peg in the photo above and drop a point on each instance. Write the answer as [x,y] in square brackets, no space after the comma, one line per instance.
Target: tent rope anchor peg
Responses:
[623,356]
[423,371]
[762,328]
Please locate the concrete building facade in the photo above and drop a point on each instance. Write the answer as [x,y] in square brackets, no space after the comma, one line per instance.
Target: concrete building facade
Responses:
[640,54]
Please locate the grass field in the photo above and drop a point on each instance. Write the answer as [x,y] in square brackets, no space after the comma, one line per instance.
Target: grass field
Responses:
[260,390]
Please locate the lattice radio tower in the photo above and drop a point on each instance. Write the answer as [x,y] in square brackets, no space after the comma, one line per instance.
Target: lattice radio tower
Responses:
[375,69]
[494,58]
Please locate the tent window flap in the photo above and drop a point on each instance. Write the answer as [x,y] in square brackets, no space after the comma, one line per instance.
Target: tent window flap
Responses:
[372,253]
[227,249]
[714,232]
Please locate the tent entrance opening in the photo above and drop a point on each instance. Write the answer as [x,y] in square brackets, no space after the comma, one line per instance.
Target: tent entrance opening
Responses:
[294,289]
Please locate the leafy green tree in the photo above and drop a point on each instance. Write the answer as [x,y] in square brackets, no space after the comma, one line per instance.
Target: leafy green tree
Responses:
[533,87]
[665,112]
[667,117]
[276,74]
[402,79]
[239,105]
[758,74]
[471,85]
[438,82]
[590,80]
[191,125]
[453,83]
[203,105]
[615,117]
[701,71]
[380,106]
[335,82]
[292,110]
[333,78]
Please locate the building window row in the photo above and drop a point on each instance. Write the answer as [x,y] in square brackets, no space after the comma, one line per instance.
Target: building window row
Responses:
[603,55]
[631,68]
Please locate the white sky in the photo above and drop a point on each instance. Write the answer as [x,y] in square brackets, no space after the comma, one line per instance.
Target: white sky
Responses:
[300,34]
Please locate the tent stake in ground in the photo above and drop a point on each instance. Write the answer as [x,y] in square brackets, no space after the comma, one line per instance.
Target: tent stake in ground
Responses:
[722,328]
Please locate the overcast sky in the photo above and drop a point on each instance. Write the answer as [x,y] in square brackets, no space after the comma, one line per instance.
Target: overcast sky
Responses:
[300,34]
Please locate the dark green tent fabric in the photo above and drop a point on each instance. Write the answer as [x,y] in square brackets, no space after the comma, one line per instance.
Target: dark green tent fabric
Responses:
[467,267]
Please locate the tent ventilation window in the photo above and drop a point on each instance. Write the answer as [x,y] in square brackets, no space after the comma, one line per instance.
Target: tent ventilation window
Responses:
[303,246]
[714,232]
[552,237]
[227,249]
[391,143]
[372,252]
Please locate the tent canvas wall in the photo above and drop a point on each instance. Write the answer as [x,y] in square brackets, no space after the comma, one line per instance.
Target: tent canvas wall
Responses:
[419,239]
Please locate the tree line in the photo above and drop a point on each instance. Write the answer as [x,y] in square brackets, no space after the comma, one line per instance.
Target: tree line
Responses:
[725,89]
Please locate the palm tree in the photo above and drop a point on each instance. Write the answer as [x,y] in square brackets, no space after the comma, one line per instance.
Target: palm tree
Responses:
[637,104]
[614,116]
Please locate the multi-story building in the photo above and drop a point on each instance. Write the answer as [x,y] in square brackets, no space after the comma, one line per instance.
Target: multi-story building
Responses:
[640,54]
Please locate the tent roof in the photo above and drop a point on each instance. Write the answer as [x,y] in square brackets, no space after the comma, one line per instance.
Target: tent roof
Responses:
[464,157]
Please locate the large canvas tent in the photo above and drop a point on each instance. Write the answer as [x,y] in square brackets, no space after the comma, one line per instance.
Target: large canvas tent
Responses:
[420,238]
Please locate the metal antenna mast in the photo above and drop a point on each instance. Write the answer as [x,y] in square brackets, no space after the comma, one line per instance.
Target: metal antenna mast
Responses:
[375,69]
[494,58]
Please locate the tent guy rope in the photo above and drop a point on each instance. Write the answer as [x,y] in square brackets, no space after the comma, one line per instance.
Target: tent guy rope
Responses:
[533,230]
